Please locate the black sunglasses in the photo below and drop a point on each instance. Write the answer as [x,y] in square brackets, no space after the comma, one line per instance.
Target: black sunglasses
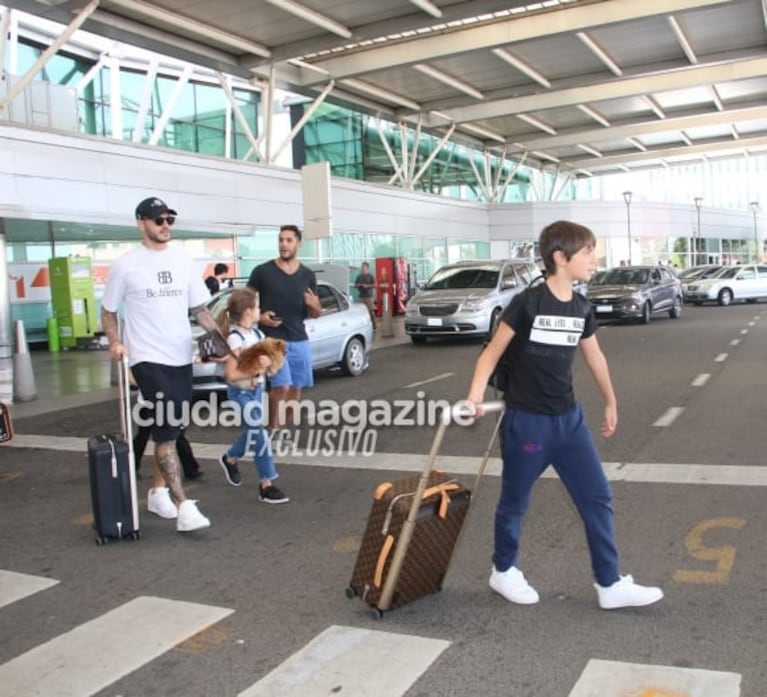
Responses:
[160,219]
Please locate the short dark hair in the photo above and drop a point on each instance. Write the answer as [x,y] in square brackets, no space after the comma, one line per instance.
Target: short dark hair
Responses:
[563,236]
[292,228]
[220,268]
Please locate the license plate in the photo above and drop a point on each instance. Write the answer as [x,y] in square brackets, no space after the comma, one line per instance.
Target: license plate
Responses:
[604,308]
[434,321]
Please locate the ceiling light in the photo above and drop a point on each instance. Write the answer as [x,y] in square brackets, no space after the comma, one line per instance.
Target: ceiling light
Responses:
[482,131]
[681,37]
[540,154]
[429,7]
[381,93]
[523,67]
[173,19]
[594,114]
[599,52]
[654,106]
[449,80]
[590,150]
[313,17]
[537,123]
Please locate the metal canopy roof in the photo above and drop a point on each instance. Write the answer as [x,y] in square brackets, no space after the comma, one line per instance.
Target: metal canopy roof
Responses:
[585,87]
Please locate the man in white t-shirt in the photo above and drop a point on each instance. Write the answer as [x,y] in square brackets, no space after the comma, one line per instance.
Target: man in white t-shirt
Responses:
[158,287]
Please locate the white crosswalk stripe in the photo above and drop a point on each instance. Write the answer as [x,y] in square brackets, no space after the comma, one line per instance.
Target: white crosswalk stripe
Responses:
[15,586]
[617,679]
[64,666]
[351,661]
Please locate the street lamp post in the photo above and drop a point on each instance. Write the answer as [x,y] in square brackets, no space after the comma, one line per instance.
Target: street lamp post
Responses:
[754,206]
[696,239]
[627,198]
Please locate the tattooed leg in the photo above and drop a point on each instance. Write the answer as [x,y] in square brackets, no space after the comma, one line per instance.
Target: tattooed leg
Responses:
[167,463]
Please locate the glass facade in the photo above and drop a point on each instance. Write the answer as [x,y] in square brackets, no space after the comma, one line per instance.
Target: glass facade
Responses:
[351,143]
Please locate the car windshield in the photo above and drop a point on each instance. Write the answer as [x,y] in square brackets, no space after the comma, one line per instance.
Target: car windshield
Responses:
[728,272]
[623,276]
[697,272]
[459,277]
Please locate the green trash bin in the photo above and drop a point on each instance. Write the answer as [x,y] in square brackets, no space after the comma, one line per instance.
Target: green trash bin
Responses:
[52,327]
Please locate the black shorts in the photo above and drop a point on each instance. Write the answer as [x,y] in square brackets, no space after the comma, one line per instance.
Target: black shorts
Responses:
[167,394]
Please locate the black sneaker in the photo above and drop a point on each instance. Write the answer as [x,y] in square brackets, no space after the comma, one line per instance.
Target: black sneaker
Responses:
[232,472]
[271,494]
[196,474]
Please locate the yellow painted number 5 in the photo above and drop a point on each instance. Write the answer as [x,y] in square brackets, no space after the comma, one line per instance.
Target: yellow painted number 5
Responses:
[724,556]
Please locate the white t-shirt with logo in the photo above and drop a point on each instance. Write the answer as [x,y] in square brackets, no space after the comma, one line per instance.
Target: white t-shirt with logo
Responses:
[157,288]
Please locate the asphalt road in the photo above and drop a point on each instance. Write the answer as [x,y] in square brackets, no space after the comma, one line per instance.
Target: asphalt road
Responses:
[283,570]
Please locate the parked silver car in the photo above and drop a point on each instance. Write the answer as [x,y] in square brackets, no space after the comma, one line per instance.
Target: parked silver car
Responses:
[466,298]
[340,337]
[744,282]
[694,274]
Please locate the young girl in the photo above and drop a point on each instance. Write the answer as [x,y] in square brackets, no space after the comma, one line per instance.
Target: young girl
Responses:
[239,324]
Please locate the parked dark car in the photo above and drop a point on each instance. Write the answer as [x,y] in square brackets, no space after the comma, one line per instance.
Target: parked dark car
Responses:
[636,292]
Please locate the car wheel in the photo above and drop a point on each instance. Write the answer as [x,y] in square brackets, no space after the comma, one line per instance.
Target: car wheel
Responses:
[495,320]
[646,313]
[355,358]
[416,339]
[725,297]
[676,309]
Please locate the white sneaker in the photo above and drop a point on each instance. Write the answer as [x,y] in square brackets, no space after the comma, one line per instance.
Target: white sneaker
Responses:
[511,584]
[159,502]
[190,518]
[625,593]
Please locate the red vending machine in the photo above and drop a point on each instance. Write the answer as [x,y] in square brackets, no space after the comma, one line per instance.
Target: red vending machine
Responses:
[401,285]
[384,273]
[392,282]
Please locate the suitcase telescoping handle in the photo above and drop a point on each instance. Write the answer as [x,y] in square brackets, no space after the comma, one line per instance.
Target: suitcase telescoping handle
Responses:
[448,414]
[126,423]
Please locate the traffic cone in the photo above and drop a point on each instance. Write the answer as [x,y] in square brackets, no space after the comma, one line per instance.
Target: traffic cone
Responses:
[24,389]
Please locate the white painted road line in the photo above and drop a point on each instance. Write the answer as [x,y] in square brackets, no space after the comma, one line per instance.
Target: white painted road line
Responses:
[14,586]
[721,358]
[86,659]
[701,380]
[735,475]
[351,661]
[670,415]
[734,342]
[617,679]
[744,331]
[436,378]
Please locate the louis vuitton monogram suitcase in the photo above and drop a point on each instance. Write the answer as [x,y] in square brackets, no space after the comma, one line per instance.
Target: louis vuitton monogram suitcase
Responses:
[413,528]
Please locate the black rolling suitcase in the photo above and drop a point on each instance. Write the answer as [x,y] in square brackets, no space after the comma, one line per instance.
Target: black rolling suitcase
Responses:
[414,526]
[113,475]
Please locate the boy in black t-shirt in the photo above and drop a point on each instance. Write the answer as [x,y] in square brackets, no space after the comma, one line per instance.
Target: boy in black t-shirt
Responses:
[543,424]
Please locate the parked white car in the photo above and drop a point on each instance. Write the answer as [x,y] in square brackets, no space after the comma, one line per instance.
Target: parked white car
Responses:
[743,282]
[339,338]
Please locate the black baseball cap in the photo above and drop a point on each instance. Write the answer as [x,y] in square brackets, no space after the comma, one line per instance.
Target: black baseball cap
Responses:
[152,207]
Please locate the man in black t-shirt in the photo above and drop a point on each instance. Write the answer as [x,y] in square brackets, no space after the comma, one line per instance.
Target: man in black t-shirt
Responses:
[365,284]
[543,424]
[287,296]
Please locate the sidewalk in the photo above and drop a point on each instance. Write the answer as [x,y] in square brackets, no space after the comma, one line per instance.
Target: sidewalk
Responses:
[77,377]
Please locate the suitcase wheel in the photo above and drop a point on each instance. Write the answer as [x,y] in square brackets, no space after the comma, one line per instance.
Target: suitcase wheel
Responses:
[101,541]
[135,535]
[351,592]
[376,614]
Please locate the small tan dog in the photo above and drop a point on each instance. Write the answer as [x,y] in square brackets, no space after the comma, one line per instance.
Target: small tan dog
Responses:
[274,349]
